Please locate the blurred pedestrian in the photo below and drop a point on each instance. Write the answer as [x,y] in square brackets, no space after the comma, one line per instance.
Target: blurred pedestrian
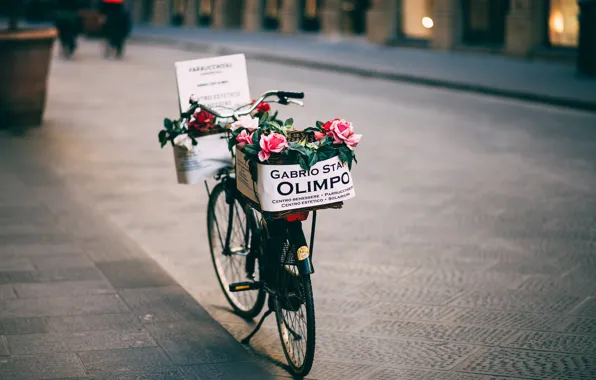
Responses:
[117,26]
[68,25]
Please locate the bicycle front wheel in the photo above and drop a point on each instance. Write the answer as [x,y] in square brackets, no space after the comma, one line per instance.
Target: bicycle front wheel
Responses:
[294,303]
[233,242]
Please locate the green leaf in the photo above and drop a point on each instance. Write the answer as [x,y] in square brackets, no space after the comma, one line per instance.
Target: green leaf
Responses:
[256,137]
[319,124]
[231,144]
[254,170]
[311,130]
[345,154]
[264,117]
[167,123]
[313,159]
[354,156]
[325,152]
[251,150]
[289,123]
[303,162]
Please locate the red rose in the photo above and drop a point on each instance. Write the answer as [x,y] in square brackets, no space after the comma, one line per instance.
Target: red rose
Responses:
[202,122]
[204,117]
[263,107]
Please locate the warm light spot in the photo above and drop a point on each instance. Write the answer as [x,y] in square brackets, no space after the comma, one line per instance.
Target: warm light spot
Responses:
[557,23]
[427,22]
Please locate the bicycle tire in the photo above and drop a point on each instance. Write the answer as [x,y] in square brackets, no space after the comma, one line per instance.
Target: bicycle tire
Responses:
[249,308]
[285,304]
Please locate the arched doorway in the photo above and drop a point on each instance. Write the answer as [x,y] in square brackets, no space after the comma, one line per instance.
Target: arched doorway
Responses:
[484,21]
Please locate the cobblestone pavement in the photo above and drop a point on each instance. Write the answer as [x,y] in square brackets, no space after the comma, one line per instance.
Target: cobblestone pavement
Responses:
[468,253]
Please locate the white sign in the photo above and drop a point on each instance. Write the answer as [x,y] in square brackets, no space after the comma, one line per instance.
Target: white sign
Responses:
[204,161]
[217,82]
[288,187]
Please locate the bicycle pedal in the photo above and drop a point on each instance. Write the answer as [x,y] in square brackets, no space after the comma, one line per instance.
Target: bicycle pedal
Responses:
[244,286]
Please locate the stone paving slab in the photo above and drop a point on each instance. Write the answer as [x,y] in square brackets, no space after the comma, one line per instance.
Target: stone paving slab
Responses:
[135,360]
[549,341]
[531,364]
[164,304]
[3,346]
[31,344]
[63,365]
[66,288]
[58,306]
[19,326]
[77,323]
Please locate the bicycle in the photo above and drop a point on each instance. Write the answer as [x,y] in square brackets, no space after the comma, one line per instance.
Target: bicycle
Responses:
[269,257]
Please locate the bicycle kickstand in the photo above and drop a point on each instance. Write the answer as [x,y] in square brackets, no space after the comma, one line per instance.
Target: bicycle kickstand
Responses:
[256,329]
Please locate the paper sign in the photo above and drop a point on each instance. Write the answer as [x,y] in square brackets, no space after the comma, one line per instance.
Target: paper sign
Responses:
[209,156]
[287,187]
[217,82]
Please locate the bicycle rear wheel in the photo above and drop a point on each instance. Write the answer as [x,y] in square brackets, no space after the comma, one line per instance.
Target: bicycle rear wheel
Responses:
[233,242]
[294,302]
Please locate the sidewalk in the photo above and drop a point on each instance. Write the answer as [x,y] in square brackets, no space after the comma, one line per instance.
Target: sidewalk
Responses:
[543,82]
[79,299]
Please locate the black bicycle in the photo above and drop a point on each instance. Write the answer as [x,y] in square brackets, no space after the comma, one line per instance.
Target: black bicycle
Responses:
[256,255]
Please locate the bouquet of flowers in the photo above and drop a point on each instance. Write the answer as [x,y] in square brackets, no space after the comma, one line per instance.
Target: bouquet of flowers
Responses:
[268,140]
[202,123]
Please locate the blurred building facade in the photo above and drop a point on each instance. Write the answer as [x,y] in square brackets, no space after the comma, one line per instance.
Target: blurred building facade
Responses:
[512,27]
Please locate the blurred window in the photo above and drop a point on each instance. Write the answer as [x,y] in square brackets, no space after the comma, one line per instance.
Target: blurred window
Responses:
[417,18]
[563,24]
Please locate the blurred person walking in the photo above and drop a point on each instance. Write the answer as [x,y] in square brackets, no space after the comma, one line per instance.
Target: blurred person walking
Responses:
[68,25]
[117,26]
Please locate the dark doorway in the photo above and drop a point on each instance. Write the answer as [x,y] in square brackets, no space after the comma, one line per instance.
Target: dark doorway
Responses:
[354,16]
[484,21]
[310,15]
[205,9]
[271,9]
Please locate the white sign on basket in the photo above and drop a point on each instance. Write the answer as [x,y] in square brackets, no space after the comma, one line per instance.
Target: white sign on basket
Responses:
[204,161]
[217,82]
[288,187]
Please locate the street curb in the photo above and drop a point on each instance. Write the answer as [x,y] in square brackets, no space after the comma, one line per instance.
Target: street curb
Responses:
[407,78]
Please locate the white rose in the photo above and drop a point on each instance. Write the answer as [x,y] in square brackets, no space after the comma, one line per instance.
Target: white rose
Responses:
[247,122]
[184,140]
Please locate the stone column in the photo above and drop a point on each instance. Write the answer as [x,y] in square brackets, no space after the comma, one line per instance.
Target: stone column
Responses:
[289,16]
[382,21]
[253,15]
[331,17]
[525,24]
[161,12]
[447,29]
[219,17]
[191,13]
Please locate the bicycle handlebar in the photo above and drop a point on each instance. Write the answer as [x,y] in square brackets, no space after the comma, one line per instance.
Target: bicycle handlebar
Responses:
[284,98]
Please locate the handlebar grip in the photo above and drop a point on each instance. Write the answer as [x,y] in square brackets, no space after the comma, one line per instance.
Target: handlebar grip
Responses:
[291,95]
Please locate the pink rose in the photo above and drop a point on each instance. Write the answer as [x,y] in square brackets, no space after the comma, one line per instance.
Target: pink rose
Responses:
[342,131]
[319,136]
[273,143]
[353,140]
[244,138]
